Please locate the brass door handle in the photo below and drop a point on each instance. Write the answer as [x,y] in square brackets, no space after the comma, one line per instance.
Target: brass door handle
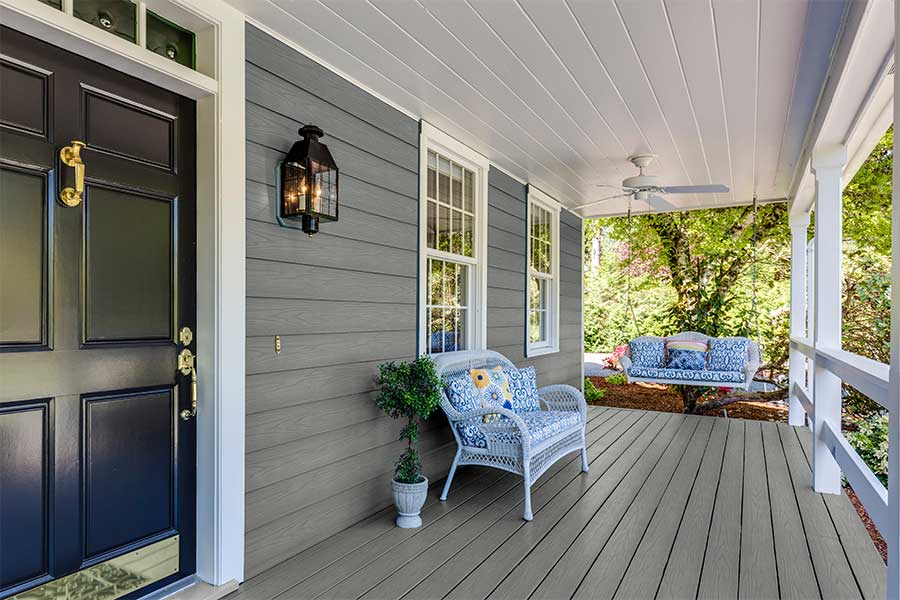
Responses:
[71,157]
[187,366]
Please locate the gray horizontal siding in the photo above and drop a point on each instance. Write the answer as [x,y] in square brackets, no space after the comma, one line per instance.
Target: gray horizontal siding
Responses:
[319,453]
[506,317]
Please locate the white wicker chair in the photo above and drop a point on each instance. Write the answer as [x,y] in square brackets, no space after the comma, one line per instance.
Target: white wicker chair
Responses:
[508,444]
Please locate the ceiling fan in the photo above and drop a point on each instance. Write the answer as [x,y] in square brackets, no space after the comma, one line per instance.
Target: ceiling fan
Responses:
[647,187]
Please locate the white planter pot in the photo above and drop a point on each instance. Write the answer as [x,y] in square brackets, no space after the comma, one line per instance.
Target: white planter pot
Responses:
[409,498]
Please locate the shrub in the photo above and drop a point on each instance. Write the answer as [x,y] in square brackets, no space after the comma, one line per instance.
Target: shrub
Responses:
[591,393]
[870,440]
[616,379]
[411,391]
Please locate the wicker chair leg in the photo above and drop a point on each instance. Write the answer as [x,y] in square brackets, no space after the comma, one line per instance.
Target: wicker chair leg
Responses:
[450,475]
[584,460]
[527,481]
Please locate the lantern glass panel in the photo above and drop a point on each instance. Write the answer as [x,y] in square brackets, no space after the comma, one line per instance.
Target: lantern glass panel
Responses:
[294,189]
[323,196]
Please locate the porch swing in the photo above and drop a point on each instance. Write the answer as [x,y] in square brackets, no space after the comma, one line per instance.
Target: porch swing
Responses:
[692,358]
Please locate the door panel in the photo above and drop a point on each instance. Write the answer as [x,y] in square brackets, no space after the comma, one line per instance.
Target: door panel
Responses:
[24,494]
[129,282]
[105,116]
[24,257]
[102,476]
[129,461]
[19,80]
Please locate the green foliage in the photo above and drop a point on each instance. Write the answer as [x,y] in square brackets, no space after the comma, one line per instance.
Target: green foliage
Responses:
[616,379]
[870,440]
[591,393]
[409,390]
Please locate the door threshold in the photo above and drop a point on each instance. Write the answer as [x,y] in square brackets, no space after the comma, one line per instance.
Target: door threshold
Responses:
[191,588]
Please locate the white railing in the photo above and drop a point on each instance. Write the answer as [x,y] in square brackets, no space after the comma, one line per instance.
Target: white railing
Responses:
[871,378]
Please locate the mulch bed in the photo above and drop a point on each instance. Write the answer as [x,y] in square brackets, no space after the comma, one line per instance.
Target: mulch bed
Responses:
[651,396]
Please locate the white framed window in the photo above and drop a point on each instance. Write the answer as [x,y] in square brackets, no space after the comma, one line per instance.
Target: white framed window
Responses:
[542,323]
[453,244]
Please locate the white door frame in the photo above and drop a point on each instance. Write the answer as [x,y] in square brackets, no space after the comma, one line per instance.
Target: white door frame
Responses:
[219,91]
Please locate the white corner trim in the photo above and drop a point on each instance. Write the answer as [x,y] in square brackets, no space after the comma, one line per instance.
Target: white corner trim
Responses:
[432,138]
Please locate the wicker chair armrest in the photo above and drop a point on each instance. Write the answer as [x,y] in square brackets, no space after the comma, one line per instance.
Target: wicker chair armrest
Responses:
[564,397]
[750,371]
[625,361]
[501,432]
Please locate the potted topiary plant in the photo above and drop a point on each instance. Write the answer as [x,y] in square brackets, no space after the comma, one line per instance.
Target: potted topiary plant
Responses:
[411,391]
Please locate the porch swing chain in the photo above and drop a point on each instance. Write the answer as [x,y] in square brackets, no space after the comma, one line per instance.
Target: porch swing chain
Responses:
[753,303]
[628,275]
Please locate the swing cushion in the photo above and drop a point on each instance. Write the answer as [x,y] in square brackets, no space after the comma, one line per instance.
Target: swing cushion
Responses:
[687,375]
[650,354]
[727,354]
[686,354]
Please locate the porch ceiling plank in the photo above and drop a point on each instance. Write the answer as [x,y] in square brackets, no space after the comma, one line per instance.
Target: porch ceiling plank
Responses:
[758,574]
[737,25]
[721,562]
[682,562]
[796,576]
[833,573]
[560,93]
[612,43]
[326,579]
[868,566]
[651,521]
[650,28]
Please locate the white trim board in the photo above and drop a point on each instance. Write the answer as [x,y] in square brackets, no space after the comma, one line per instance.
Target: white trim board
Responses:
[221,269]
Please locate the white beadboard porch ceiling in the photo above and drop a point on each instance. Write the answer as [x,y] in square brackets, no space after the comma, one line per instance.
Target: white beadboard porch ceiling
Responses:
[560,92]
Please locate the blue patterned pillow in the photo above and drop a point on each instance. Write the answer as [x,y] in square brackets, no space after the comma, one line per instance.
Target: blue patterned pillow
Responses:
[462,393]
[690,360]
[471,435]
[727,354]
[651,354]
[523,387]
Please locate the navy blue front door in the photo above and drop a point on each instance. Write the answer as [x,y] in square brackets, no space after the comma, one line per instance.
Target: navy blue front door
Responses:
[97,463]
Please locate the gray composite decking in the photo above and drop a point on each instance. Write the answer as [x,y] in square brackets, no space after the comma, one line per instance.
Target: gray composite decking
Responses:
[674,506]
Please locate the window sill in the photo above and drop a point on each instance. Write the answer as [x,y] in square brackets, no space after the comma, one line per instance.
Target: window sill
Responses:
[532,352]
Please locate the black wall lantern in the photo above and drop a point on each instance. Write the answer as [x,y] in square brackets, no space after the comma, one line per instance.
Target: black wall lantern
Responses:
[308,183]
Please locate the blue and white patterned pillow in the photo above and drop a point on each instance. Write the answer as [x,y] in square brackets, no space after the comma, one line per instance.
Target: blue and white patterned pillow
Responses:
[523,387]
[471,435]
[727,354]
[691,360]
[651,354]
[462,393]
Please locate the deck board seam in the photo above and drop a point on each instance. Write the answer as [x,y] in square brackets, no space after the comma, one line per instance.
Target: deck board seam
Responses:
[661,497]
[562,518]
[527,554]
[643,483]
[637,495]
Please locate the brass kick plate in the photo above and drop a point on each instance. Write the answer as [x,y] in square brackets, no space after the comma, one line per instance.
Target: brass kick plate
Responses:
[114,578]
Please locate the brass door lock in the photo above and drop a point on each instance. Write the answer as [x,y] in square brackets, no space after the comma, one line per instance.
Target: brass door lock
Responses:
[187,366]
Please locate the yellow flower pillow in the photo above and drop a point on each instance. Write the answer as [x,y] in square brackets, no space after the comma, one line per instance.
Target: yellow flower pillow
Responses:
[494,388]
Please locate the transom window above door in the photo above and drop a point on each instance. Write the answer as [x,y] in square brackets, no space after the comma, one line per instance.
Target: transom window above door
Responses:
[453,196]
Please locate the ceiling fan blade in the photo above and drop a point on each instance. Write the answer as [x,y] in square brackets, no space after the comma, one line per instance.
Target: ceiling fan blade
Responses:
[660,204]
[695,189]
[600,200]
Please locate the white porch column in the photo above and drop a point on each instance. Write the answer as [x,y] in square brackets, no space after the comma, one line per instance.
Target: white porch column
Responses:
[799,226]
[892,535]
[827,163]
